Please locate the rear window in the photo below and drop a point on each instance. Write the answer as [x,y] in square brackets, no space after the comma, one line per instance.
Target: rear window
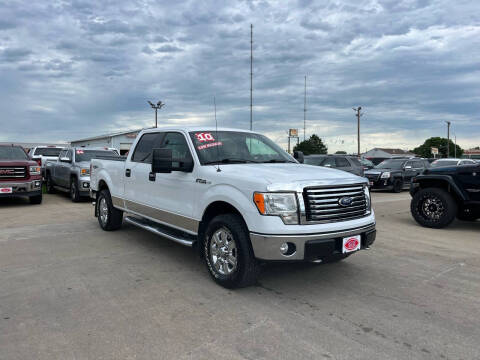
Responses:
[46,151]
[12,153]
[87,155]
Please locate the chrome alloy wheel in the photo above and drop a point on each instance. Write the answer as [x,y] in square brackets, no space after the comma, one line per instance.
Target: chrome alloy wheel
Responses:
[433,208]
[223,251]
[103,210]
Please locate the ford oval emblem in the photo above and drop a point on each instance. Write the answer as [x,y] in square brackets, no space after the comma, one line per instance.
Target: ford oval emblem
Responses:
[345,201]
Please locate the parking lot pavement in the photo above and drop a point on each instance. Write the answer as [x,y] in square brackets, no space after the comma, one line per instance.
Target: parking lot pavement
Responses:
[69,290]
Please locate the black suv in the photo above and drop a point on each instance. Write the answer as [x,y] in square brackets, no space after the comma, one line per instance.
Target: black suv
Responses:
[395,174]
[441,194]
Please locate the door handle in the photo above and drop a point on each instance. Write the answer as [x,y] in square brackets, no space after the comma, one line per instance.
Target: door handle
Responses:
[152,176]
[128,172]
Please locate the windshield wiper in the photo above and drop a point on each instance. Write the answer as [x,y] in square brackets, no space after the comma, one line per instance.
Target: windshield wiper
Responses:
[229,161]
[278,161]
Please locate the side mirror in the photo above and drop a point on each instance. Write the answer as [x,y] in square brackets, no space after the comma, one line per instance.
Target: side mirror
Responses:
[408,167]
[162,161]
[65,159]
[184,165]
[298,155]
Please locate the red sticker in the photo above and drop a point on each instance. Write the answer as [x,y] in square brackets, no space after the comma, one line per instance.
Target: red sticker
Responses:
[351,244]
[202,137]
[209,145]
[79,151]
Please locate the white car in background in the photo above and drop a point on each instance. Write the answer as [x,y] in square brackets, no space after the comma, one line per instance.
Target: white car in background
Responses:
[452,162]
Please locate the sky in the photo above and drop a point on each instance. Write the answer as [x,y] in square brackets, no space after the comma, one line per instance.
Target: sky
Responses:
[73,69]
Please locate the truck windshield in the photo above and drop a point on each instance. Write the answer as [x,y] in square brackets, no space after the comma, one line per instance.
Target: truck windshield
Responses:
[391,164]
[232,147]
[46,151]
[12,153]
[87,155]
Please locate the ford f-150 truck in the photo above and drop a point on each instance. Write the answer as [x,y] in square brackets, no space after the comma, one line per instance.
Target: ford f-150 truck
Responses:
[71,171]
[236,197]
[19,175]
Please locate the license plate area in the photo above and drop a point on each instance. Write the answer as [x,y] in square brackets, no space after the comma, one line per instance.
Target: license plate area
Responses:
[351,243]
[6,190]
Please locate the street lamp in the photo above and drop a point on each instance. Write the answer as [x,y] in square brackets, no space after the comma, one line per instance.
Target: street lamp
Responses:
[358,114]
[157,106]
[448,138]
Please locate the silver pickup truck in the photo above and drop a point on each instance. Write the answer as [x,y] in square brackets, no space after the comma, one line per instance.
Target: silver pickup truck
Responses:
[71,172]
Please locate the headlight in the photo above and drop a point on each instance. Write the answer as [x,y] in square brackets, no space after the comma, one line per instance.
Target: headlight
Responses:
[35,170]
[85,172]
[278,204]
[385,175]
[368,201]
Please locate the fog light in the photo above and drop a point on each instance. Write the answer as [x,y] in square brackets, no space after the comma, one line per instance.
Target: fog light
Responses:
[86,185]
[37,183]
[284,248]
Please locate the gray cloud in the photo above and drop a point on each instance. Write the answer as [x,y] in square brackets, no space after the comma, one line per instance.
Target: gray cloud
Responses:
[88,67]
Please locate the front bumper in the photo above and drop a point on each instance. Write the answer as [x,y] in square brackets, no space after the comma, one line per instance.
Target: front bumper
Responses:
[28,188]
[381,184]
[308,247]
[84,186]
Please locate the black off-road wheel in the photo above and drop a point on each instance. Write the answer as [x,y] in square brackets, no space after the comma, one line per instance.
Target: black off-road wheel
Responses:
[49,184]
[35,200]
[109,217]
[397,185]
[228,253]
[433,208]
[74,192]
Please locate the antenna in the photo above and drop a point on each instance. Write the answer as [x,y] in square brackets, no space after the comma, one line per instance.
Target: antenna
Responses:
[216,134]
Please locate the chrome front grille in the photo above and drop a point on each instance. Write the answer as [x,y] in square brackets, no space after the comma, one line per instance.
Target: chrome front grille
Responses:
[13,172]
[372,177]
[323,204]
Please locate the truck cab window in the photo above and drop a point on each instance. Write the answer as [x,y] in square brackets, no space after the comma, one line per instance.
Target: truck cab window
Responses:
[177,143]
[143,150]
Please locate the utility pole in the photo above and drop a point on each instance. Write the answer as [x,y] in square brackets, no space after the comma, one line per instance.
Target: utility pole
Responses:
[455,145]
[157,106]
[448,138]
[358,115]
[251,77]
[305,110]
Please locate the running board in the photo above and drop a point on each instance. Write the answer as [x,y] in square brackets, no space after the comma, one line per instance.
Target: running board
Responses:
[59,188]
[171,234]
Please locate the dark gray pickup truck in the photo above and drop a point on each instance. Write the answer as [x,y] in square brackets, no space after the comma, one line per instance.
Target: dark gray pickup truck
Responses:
[71,172]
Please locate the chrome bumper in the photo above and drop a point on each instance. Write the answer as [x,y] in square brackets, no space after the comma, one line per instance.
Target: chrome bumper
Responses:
[19,188]
[267,247]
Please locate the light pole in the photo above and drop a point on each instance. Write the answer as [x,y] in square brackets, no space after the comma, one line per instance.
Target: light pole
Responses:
[448,138]
[159,105]
[358,114]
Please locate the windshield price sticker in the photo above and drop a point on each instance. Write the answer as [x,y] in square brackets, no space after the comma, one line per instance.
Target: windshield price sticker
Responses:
[209,145]
[203,137]
[79,152]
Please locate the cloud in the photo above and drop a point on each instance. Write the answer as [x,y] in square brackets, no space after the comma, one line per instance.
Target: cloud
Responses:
[87,67]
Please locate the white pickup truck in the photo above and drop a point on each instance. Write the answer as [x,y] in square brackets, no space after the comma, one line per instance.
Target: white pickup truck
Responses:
[236,197]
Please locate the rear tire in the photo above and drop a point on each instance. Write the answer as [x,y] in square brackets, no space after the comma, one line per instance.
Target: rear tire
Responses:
[109,217]
[74,192]
[49,184]
[35,200]
[433,208]
[397,186]
[468,214]
[228,253]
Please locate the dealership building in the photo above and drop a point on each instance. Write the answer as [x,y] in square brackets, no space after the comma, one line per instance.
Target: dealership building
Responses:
[120,140]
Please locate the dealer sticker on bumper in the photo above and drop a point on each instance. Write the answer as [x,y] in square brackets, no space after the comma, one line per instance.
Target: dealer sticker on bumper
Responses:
[6,190]
[351,243]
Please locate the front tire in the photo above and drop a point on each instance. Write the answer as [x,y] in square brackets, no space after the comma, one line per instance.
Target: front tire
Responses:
[108,216]
[228,254]
[74,192]
[433,208]
[397,186]
[35,200]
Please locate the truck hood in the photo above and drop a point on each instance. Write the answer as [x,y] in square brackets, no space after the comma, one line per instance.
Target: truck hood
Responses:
[288,176]
[379,171]
[17,163]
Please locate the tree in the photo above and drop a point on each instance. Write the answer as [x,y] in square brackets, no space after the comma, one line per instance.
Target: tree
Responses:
[313,145]
[341,152]
[425,150]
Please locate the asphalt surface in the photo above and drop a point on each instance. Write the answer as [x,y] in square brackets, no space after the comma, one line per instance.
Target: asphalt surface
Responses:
[69,290]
